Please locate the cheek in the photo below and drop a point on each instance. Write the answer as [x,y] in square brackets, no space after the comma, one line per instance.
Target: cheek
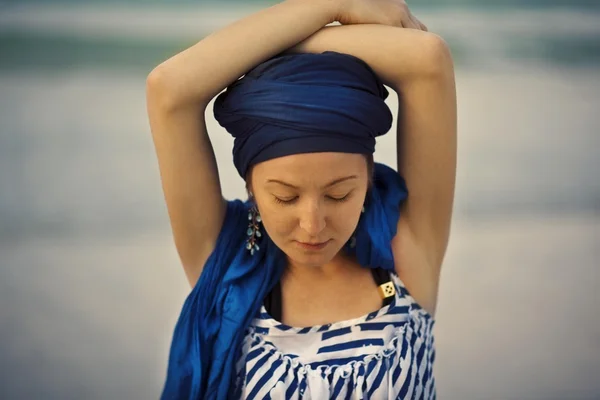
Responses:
[345,216]
[277,223]
[344,221]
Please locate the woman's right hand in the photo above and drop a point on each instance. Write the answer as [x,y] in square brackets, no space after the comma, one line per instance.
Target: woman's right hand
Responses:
[382,12]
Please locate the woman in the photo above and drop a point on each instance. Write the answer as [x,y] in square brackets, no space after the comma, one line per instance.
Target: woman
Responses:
[315,287]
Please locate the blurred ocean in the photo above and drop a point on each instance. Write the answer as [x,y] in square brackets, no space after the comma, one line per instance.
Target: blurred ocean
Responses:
[90,283]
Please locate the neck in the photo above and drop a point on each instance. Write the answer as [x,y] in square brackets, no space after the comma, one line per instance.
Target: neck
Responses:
[339,267]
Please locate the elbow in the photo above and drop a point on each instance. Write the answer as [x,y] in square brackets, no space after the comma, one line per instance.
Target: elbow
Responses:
[167,92]
[159,92]
[437,59]
[427,57]
[155,80]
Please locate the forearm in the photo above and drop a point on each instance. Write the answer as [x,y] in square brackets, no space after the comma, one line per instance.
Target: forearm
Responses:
[397,55]
[200,72]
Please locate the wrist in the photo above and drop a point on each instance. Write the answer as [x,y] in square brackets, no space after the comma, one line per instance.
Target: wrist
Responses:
[336,7]
[330,8]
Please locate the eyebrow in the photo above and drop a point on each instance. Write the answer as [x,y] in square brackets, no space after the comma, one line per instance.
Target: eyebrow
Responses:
[332,183]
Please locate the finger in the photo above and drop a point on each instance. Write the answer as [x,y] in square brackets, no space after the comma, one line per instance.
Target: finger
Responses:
[420,25]
[408,23]
[416,23]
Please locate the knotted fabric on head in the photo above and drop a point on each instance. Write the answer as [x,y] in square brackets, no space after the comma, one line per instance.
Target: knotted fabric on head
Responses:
[303,103]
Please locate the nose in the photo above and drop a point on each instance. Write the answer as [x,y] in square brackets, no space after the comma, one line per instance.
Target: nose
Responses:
[312,220]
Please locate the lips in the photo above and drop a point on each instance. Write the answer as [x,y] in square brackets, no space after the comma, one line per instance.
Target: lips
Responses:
[313,245]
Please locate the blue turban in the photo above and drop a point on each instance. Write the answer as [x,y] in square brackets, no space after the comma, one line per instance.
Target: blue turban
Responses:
[303,103]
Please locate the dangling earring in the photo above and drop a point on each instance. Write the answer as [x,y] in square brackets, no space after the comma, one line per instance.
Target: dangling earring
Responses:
[353,238]
[253,230]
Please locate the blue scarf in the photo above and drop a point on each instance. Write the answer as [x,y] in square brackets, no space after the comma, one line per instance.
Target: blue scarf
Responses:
[304,103]
[271,113]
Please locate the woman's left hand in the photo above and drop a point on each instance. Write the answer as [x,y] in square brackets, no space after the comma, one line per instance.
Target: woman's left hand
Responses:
[410,21]
[387,12]
[413,22]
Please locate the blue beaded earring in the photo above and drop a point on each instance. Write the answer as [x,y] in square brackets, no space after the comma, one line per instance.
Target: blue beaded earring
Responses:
[253,230]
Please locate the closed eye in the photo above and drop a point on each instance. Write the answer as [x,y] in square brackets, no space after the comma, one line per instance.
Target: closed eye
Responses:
[292,200]
[339,199]
[285,201]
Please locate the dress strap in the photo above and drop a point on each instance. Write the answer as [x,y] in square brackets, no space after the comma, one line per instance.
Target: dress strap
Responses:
[273,302]
[387,290]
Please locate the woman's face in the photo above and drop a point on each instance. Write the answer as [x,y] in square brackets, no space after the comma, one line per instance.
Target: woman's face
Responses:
[310,204]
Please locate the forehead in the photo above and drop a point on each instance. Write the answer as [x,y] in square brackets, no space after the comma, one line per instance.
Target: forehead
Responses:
[311,168]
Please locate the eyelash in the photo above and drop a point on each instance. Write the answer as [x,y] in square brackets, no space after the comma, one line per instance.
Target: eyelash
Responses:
[291,201]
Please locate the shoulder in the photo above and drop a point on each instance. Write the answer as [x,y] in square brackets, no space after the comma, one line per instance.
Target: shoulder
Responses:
[236,209]
[235,222]
[232,234]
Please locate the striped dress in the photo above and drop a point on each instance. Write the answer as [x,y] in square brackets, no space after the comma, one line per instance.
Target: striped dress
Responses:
[387,354]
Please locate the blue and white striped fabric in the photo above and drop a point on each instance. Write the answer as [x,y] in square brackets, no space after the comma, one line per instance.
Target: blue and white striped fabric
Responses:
[387,354]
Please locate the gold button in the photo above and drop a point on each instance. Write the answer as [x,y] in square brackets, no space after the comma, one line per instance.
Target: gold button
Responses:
[387,290]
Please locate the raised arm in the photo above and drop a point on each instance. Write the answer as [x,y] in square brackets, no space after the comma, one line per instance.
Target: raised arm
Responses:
[426,148]
[418,66]
[179,89]
[397,55]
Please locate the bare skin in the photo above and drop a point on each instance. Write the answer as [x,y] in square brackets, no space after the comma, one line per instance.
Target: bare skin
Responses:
[413,62]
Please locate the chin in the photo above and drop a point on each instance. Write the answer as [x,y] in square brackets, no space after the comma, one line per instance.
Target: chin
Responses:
[311,261]
[316,259]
